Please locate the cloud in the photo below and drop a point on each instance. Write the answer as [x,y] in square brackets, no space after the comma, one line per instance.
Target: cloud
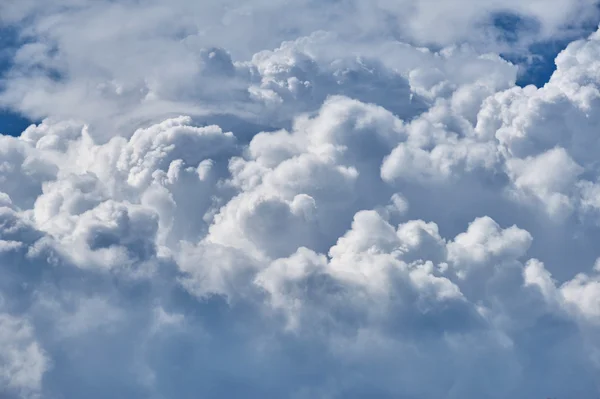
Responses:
[340,214]
[164,59]
[23,360]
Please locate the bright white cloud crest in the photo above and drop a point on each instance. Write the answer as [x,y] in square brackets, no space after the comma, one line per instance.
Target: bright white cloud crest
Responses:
[341,215]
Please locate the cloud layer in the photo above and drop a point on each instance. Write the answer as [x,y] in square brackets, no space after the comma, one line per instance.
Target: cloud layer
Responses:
[342,215]
[160,59]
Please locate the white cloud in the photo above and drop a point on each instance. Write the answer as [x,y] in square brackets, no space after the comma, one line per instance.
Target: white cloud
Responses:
[22,359]
[484,243]
[341,215]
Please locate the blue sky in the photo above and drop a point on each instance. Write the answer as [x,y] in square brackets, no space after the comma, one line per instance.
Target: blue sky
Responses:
[10,122]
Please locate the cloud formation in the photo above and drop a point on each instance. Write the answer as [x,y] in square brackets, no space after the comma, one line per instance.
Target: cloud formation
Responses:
[161,59]
[340,215]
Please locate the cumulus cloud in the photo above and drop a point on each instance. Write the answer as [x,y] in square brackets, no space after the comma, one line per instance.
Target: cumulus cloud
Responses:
[163,59]
[23,360]
[338,215]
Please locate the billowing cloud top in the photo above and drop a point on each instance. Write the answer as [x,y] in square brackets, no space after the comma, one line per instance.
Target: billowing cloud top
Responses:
[298,200]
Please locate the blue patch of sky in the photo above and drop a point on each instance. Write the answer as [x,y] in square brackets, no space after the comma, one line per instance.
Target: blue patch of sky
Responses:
[537,65]
[11,123]
[540,63]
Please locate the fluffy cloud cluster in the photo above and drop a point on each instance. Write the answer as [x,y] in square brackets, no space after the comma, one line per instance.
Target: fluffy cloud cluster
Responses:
[161,59]
[335,220]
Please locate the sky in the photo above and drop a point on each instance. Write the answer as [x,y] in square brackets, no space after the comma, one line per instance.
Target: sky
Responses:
[299,199]
[11,122]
